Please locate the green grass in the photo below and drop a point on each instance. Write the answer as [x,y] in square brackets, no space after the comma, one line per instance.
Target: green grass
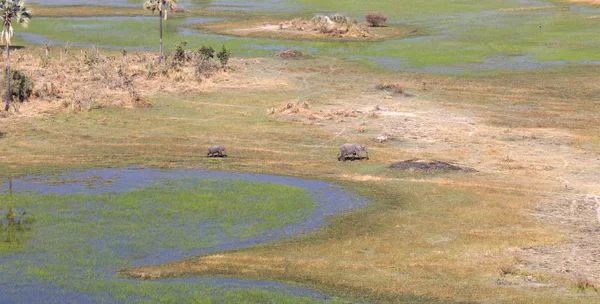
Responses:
[77,238]
[403,9]
[467,33]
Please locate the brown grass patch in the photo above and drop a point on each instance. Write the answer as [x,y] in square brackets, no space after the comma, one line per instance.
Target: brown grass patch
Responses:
[583,1]
[293,54]
[81,80]
[528,8]
[83,10]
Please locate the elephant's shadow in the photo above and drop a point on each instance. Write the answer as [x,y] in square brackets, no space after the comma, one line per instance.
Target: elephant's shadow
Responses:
[353,158]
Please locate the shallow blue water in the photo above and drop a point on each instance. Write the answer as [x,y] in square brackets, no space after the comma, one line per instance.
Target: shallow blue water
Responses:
[19,286]
[260,5]
[443,29]
[331,198]
[492,63]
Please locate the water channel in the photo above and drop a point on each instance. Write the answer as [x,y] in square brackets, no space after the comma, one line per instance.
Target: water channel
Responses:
[74,258]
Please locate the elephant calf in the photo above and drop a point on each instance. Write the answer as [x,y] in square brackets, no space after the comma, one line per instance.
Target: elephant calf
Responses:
[217,150]
[352,149]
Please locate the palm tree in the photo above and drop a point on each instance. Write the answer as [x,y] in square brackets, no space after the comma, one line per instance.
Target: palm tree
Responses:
[161,6]
[11,9]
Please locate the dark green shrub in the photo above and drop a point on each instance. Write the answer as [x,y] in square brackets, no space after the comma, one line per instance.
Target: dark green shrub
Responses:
[179,54]
[21,86]
[206,52]
[224,56]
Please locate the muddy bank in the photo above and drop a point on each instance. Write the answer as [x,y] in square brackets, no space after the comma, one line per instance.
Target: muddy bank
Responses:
[429,165]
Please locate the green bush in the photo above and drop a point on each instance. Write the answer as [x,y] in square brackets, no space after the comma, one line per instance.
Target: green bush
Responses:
[206,52]
[224,56]
[21,86]
[179,54]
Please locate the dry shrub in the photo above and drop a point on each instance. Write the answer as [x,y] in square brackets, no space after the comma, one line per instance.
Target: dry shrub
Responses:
[111,73]
[178,10]
[66,49]
[92,57]
[343,112]
[395,88]
[509,270]
[317,19]
[79,80]
[382,139]
[127,82]
[292,54]
[204,67]
[341,19]
[46,91]
[107,75]
[82,100]
[334,25]
[326,28]
[47,48]
[294,107]
[584,283]
[150,70]
[376,18]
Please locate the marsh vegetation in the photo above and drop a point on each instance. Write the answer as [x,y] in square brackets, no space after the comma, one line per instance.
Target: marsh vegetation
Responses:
[80,239]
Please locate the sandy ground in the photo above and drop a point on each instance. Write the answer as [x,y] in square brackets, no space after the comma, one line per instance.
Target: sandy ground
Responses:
[564,179]
[569,196]
[306,29]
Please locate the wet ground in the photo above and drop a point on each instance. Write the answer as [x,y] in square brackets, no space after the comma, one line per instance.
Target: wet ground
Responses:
[428,165]
[19,286]
[472,31]
[260,5]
